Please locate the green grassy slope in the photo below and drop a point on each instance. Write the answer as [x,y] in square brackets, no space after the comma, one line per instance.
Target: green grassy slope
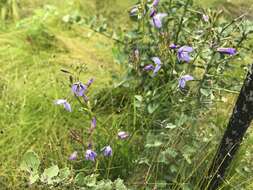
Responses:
[31,56]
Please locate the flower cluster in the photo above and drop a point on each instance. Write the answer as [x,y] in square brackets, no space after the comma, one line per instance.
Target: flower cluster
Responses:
[182,52]
[80,90]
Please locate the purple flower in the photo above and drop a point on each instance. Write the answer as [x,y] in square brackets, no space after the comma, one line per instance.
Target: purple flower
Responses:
[73,156]
[134,11]
[93,123]
[90,82]
[63,102]
[79,89]
[155,3]
[158,63]
[90,155]
[107,150]
[152,12]
[123,135]
[205,17]
[173,46]
[157,20]
[183,53]
[149,67]
[182,81]
[229,51]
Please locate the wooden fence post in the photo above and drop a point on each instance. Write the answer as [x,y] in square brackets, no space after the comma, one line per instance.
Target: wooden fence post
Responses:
[238,124]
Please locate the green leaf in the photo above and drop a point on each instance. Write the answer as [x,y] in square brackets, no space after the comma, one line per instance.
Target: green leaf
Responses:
[187,158]
[86,181]
[205,92]
[171,152]
[79,179]
[152,108]
[170,126]
[33,178]
[49,174]
[119,185]
[30,162]
[138,97]
[64,173]
[153,145]
[104,185]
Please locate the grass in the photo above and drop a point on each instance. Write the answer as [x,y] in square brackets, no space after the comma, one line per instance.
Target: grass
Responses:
[32,52]
[31,80]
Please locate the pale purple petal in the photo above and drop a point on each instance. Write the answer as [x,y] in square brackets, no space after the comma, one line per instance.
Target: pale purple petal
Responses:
[205,17]
[107,150]
[134,11]
[173,46]
[152,12]
[149,67]
[67,106]
[90,155]
[63,102]
[79,89]
[123,135]
[90,82]
[229,51]
[186,49]
[156,60]
[157,68]
[73,156]
[182,81]
[184,56]
[157,20]
[183,53]
[93,123]
[187,77]
[60,101]
[155,3]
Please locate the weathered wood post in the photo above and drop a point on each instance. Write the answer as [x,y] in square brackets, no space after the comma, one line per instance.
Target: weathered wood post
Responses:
[238,124]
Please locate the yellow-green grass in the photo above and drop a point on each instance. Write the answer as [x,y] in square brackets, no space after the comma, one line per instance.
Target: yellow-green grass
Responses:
[31,80]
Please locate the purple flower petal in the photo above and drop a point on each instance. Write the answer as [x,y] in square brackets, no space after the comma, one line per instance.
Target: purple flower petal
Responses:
[107,151]
[93,123]
[186,49]
[183,53]
[158,63]
[229,51]
[155,3]
[63,102]
[123,135]
[134,11]
[173,46]
[157,68]
[182,81]
[157,20]
[90,82]
[149,67]
[67,106]
[156,60]
[73,156]
[205,17]
[79,89]
[152,12]
[90,155]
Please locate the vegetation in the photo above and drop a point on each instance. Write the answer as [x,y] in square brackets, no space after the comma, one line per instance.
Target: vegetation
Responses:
[173,133]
